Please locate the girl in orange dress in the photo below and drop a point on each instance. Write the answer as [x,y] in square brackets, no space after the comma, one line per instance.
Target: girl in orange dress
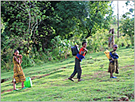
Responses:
[18,72]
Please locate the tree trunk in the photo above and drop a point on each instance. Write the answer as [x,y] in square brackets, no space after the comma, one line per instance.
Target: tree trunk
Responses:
[132,40]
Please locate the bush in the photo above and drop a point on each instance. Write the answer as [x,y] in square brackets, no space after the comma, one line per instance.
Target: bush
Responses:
[123,41]
[27,62]
[61,48]
[98,41]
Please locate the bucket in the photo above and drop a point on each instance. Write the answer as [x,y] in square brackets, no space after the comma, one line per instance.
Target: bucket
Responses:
[28,82]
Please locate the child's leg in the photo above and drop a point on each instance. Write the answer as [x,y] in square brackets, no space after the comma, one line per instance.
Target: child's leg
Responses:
[74,72]
[14,85]
[79,70]
[117,71]
[22,84]
[111,75]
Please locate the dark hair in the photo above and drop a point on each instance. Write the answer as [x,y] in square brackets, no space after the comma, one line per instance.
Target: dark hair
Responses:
[83,42]
[115,45]
[14,52]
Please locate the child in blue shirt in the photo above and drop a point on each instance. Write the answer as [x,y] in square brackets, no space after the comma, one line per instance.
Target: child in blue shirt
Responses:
[113,62]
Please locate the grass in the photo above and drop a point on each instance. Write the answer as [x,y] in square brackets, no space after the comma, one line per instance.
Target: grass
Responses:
[97,86]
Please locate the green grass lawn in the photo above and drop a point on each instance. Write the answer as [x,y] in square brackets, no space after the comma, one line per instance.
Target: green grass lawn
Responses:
[97,86]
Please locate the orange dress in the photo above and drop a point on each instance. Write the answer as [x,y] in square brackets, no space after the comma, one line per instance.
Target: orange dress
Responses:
[18,72]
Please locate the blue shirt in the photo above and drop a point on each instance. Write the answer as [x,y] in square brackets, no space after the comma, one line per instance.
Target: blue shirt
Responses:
[114,55]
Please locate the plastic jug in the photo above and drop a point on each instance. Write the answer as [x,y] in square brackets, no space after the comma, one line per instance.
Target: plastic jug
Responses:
[107,53]
[28,82]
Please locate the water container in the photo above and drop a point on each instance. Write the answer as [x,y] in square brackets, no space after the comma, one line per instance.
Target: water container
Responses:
[28,82]
[107,53]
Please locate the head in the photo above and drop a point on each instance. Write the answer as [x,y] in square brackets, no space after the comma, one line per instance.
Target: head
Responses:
[84,44]
[115,47]
[16,52]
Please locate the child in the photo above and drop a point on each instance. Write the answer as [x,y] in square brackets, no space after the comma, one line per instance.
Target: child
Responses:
[113,64]
[18,72]
[79,57]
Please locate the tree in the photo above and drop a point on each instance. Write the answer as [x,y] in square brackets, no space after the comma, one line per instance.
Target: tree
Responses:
[99,15]
[69,12]
[82,16]
[28,20]
[127,26]
[31,25]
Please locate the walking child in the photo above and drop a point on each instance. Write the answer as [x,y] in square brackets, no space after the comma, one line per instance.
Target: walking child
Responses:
[113,62]
[18,72]
[78,58]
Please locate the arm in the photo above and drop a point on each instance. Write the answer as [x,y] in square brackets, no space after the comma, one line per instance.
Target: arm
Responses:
[85,49]
[116,56]
[82,52]
[16,60]
[111,55]
[20,56]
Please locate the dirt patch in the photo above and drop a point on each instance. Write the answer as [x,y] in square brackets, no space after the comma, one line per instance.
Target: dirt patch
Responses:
[12,90]
[96,99]
[85,75]
[127,97]
[66,79]
[122,99]
[130,96]
[39,76]
[57,97]
[99,74]
[33,73]
[7,91]
[127,66]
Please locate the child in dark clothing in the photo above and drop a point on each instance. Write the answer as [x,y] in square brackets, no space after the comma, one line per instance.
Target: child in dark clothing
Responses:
[113,64]
[79,57]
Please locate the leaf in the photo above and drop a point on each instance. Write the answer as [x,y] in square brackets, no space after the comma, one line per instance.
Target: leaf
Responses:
[131,10]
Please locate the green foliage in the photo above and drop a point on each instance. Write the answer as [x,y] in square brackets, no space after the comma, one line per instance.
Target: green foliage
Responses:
[27,62]
[45,30]
[6,61]
[84,16]
[99,41]
[61,48]
[123,41]
[127,26]
[96,42]
[69,12]
[127,23]
[99,15]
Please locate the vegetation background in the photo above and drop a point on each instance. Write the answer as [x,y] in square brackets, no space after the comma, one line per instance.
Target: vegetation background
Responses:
[44,31]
